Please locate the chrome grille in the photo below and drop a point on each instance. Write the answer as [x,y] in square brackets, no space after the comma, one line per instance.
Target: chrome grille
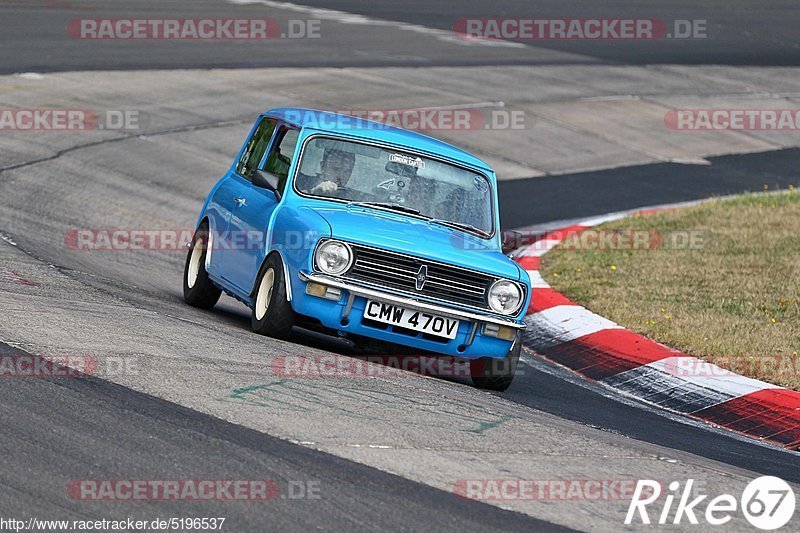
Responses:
[399,271]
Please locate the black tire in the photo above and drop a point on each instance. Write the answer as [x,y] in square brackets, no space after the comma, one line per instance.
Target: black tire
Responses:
[496,374]
[202,292]
[277,319]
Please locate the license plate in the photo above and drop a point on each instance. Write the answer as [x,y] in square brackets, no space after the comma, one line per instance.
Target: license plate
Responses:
[410,319]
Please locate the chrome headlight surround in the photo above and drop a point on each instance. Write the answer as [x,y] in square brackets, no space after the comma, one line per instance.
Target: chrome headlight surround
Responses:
[333,257]
[505,297]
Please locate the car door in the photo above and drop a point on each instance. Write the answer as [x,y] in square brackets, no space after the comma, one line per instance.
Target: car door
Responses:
[251,217]
[220,209]
[233,192]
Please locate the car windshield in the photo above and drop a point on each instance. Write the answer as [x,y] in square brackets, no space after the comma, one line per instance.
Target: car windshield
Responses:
[394,179]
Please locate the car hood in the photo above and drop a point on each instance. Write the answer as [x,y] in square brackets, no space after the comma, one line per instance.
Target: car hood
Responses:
[404,234]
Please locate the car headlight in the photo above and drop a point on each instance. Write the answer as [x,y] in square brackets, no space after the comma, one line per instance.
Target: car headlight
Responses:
[505,297]
[333,257]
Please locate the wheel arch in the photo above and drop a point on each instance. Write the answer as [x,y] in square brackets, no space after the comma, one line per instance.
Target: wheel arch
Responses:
[205,221]
[286,279]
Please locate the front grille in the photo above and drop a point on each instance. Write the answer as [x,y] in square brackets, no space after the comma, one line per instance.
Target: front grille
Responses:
[399,271]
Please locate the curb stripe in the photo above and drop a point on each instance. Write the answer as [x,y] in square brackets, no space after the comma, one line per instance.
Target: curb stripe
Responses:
[709,375]
[596,221]
[607,353]
[542,299]
[537,282]
[564,323]
[772,414]
[601,350]
[539,248]
[529,263]
[568,231]
[660,388]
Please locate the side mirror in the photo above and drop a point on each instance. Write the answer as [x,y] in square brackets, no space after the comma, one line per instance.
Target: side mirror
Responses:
[266,180]
[511,240]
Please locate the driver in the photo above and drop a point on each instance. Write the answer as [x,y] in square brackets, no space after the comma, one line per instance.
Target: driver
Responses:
[336,168]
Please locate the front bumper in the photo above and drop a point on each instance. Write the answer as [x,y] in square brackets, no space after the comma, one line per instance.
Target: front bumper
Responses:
[345,315]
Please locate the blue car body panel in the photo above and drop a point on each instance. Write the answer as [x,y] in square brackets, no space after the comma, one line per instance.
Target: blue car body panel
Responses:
[294,224]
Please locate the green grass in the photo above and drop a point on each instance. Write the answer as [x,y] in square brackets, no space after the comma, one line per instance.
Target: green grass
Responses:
[733,297]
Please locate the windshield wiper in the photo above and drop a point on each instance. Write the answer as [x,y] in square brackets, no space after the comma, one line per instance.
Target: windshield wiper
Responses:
[462,226]
[387,205]
[405,209]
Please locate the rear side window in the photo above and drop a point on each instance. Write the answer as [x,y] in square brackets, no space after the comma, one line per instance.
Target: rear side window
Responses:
[280,157]
[256,148]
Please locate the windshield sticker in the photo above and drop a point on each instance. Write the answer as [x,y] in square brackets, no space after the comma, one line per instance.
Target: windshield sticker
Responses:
[407,160]
[480,184]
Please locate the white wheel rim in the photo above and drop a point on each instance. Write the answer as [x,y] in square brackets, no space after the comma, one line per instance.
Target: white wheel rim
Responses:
[194,263]
[264,293]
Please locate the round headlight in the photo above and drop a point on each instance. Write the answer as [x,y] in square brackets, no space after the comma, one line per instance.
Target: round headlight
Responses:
[333,257]
[505,297]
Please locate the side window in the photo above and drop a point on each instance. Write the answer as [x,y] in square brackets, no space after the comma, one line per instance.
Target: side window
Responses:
[256,147]
[280,157]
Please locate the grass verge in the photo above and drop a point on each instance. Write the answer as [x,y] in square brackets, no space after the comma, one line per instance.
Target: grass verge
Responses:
[720,280]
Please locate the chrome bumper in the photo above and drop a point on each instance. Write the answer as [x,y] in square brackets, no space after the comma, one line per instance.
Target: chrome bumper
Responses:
[407,302]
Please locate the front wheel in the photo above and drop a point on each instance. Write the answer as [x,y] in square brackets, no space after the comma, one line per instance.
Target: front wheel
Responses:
[496,374]
[198,290]
[272,314]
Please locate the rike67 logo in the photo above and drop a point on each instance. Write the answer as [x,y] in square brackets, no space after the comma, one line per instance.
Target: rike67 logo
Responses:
[767,503]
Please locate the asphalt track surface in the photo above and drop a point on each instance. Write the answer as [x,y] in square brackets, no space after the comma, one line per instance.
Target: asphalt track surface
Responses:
[151,435]
[587,194]
[740,32]
[58,430]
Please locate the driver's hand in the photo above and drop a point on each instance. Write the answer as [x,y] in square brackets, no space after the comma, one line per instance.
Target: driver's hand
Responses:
[325,186]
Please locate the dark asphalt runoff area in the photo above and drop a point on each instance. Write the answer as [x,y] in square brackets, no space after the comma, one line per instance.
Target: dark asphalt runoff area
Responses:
[539,200]
[739,32]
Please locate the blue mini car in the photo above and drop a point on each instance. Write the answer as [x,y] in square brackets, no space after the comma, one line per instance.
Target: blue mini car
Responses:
[365,231]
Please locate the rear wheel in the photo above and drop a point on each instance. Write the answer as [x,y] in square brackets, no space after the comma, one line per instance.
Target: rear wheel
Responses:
[272,314]
[198,290]
[496,374]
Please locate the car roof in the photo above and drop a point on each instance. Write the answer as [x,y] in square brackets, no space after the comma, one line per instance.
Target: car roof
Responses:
[325,121]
